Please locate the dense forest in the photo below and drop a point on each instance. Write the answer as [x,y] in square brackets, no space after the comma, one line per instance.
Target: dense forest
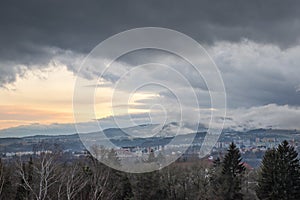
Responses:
[48,176]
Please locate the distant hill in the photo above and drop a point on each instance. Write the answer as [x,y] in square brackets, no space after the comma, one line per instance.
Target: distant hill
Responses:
[146,135]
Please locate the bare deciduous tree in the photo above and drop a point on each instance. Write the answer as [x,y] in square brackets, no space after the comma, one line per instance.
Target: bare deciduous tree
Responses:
[74,181]
[100,177]
[43,176]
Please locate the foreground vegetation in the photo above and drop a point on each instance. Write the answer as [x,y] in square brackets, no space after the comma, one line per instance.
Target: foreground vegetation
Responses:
[48,176]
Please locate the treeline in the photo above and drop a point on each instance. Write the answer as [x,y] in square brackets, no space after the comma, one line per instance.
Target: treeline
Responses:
[48,177]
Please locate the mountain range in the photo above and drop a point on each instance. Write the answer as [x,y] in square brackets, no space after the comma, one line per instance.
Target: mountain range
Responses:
[145,135]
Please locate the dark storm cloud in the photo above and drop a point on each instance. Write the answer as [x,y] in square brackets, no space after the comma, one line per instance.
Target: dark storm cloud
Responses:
[80,25]
[33,32]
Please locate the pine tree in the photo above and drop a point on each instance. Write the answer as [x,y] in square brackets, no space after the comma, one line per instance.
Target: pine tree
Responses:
[216,179]
[279,177]
[21,192]
[232,171]
[217,162]
[7,190]
[267,184]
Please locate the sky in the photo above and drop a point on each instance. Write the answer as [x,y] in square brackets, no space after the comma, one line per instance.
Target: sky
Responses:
[255,44]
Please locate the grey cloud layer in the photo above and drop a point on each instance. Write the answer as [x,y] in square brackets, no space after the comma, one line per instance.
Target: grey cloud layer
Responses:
[77,25]
[258,74]
[261,71]
[30,28]
[269,116]
[254,74]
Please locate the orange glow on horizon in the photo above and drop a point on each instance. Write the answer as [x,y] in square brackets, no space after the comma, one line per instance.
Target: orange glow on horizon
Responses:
[38,98]
[45,97]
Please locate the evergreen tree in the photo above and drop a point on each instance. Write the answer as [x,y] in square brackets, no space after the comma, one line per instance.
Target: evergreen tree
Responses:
[232,170]
[7,189]
[216,179]
[217,162]
[21,192]
[279,177]
[267,184]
